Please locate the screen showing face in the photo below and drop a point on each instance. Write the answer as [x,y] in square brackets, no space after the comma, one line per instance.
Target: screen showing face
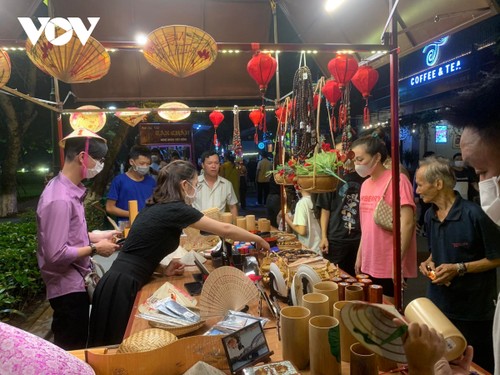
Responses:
[245,346]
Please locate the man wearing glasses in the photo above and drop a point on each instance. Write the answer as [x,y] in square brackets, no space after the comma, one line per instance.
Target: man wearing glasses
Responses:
[64,243]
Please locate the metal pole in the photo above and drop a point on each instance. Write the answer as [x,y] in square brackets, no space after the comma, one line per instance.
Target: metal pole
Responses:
[396,208]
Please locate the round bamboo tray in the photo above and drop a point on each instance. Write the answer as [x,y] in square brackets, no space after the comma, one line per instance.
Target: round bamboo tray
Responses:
[318,184]
[281,180]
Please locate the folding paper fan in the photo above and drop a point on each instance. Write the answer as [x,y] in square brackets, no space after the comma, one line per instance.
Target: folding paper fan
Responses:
[4,68]
[174,114]
[180,50]
[226,288]
[93,121]
[72,62]
[132,117]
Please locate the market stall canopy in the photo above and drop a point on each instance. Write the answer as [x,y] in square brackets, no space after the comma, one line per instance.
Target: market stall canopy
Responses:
[131,77]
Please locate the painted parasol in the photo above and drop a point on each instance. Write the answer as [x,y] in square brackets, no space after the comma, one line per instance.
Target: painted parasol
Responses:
[132,116]
[180,50]
[71,62]
[93,121]
[4,68]
[173,111]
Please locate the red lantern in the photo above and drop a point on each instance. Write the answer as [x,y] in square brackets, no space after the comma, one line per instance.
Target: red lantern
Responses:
[331,92]
[364,80]
[256,116]
[281,114]
[261,68]
[343,68]
[216,117]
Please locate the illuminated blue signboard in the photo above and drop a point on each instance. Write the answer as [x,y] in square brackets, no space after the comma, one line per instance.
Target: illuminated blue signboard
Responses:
[443,70]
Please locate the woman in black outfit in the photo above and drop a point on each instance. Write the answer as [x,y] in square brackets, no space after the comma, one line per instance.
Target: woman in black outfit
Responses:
[154,234]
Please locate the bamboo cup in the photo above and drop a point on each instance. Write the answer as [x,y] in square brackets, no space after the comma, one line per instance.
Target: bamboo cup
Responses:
[346,337]
[264,225]
[133,210]
[329,289]
[423,310]
[241,222]
[226,217]
[354,293]
[294,328]
[250,222]
[363,361]
[342,285]
[322,361]
[317,303]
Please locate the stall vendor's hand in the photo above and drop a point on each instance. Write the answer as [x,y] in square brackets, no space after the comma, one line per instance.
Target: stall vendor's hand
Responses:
[263,244]
[428,269]
[174,268]
[445,273]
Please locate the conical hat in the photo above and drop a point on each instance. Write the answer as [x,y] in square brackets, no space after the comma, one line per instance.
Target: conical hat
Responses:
[80,133]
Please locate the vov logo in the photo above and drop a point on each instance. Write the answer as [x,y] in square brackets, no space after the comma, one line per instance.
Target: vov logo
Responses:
[49,26]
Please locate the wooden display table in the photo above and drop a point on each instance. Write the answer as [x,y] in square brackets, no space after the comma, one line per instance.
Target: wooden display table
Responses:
[176,365]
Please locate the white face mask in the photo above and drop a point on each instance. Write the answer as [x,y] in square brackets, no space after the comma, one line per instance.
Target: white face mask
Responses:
[142,170]
[459,163]
[189,199]
[489,193]
[92,172]
[366,169]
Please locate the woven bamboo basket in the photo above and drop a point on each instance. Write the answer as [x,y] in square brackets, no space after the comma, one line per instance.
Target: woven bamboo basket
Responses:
[178,331]
[145,340]
[318,184]
[281,179]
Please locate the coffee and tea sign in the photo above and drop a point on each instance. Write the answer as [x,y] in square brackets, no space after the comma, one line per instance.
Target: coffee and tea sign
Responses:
[165,133]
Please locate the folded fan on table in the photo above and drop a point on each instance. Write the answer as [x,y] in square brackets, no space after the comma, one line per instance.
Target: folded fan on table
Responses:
[226,288]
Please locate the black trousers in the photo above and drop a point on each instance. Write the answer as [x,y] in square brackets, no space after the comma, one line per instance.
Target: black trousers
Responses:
[262,192]
[70,322]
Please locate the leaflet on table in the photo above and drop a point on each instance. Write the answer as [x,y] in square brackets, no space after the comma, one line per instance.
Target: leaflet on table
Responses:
[233,321]
[173,309]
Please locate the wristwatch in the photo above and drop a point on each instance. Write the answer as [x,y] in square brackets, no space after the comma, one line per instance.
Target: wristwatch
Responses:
[93,248]
[461,268]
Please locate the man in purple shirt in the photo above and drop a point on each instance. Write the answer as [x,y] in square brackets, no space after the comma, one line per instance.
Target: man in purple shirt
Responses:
[64,244]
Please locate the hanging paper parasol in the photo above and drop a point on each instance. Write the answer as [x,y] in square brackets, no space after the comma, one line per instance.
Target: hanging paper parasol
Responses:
[4,68]
[180,50]
[132,117]
[216,117]
[93,121]
[72,62]
[364,80]
[174,114]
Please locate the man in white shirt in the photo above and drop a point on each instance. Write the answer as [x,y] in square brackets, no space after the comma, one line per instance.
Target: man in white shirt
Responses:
[213,190]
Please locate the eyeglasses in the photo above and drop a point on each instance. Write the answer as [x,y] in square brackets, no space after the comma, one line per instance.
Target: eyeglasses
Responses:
[101,160]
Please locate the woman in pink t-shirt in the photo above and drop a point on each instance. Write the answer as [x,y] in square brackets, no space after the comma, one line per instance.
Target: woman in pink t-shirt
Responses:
[376,249]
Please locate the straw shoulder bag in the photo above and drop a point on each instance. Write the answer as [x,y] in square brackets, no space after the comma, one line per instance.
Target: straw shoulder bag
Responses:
[383,212]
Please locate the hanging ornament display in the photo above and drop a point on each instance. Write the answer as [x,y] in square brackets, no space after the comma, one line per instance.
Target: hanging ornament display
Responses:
[174,111]
[342,68]
[332,94]
[180,50]
[93,121]
[216,117]
[256,116]
[302,127]
[262,67]
[237,147]
[132,116]
[5,68]
[365,80]
[72,62]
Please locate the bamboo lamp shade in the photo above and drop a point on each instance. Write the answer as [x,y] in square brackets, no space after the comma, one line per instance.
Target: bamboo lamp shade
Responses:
[72,62]
[5,68]
[93,121]
[132,116]
[180,50]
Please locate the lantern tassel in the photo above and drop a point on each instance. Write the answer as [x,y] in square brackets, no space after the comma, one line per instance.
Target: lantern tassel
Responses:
[366,115]
[256,137]
[342,115]
[215,139]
